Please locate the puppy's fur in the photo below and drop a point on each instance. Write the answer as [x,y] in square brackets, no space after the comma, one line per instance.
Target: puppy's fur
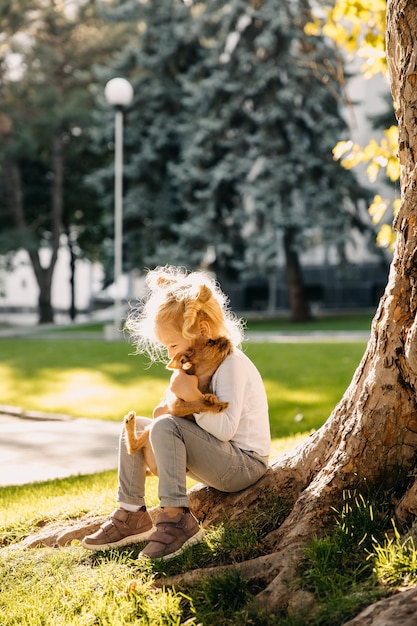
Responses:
[202,360]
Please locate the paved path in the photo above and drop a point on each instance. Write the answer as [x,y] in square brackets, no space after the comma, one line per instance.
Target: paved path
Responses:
[35,450]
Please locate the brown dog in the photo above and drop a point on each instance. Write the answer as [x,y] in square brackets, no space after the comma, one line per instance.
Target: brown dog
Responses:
[202,360]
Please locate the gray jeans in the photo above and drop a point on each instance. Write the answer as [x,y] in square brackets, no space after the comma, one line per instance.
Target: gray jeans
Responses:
[182,448]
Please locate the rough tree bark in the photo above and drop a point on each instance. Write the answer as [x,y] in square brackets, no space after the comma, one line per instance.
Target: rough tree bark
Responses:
[372,432]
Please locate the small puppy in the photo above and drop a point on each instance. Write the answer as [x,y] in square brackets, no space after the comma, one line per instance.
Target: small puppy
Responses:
[202,360]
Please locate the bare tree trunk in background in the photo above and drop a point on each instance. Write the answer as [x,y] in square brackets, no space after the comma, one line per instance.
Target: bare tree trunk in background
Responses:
[43,273]
[299,308]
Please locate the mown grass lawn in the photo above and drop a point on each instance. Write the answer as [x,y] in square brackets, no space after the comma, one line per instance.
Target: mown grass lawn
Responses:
[95,379]
[348,569]
[328,322]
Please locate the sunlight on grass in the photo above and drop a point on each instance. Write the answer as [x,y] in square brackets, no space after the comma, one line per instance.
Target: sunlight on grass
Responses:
[93,379]
[80,378]
[56,499]
[297,397]
[93,394]
[63,587]
[72,497]
[286,444]
[81,392]
[64,498]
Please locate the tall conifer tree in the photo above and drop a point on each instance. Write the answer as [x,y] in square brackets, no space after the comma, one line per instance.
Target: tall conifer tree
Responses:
[229,140]
[264,112]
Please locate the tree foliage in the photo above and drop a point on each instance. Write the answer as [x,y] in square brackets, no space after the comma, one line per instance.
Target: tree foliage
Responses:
[229,139]
[47,98]
[154,64]
[358,27]
[259,161]
[228,143]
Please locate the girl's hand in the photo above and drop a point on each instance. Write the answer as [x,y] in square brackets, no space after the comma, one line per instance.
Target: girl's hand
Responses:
[185,386]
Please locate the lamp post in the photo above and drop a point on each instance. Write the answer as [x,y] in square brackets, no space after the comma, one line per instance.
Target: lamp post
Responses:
[118,93]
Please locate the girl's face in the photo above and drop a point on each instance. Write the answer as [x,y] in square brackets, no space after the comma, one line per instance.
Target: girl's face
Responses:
[173,341]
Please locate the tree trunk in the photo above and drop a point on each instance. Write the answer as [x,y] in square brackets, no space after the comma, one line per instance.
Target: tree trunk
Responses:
[272,291]
[372,433]
[298,305]
[15,187]
[73,258]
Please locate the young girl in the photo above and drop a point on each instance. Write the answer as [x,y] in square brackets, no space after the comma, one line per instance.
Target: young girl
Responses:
[228,451]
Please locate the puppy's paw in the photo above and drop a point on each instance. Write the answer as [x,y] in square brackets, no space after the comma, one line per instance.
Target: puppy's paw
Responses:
[211,401]
[130,419]
[221,406]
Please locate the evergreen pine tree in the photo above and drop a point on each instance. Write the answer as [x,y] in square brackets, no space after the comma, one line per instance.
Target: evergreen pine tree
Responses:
[228,146]
[154,64]
[263,114]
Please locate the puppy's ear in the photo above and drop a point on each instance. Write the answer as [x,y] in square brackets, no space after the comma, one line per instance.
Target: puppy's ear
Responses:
[178,363]
[175,363]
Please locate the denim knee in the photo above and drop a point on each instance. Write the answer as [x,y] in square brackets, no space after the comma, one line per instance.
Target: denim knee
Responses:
[163,425]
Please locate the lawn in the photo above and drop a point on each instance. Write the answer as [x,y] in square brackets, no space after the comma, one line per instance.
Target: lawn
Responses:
[72,587]
[328,322]
[96,379]
[265,322]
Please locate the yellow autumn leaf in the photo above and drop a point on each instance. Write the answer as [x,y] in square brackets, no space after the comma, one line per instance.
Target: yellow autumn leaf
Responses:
[370,150]
[341,148]
[386,237]
[377,209]
[350,161]
[372,171]
[393,169]
[336,32]
[313,28]
[391,134]
[396,205]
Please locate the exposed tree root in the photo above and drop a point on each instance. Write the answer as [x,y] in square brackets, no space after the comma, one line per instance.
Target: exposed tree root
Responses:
[312,478]
[299,478]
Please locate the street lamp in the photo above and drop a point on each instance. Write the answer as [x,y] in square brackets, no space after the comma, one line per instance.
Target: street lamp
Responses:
[118,93]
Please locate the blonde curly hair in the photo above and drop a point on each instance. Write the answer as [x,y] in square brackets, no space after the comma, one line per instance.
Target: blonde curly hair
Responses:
[180,300]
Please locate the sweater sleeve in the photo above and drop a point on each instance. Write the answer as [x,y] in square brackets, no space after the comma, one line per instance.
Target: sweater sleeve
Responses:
[246,419]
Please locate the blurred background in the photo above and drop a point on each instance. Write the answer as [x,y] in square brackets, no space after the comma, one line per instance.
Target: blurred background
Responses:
[225,158]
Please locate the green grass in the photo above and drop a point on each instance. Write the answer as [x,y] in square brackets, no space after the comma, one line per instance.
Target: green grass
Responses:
[94,379]
[73,586]
[26,508]
[337,569]
[265,322]
[327,322]
[83,378]
[352,566]
[344,571]
[395,559]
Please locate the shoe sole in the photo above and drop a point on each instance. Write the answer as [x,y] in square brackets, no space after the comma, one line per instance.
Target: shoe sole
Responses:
[126,541]
[190,542]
